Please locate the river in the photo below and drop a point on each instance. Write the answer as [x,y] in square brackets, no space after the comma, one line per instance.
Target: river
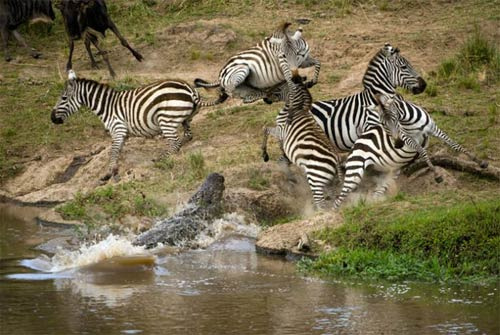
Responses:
[224,289]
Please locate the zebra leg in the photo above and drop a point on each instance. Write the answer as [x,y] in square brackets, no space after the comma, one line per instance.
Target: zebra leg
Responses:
[116,147]
[236,78]
[188,135]
[318,191]
[20,39]
[355,169]
[275,132]
[93,63]
[317,67]
[457,147]
[409,141]
[254,96]
[383,184]
[266,131]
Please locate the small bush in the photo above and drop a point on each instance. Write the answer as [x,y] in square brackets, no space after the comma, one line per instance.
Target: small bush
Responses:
[478,55]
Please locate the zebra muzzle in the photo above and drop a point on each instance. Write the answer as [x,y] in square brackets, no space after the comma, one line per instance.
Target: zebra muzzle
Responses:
[55,119]
[420,87]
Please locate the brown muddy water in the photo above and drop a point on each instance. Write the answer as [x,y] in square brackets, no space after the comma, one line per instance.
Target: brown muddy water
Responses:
[224,289]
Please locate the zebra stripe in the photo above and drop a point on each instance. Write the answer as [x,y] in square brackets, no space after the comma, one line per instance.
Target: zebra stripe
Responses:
[252,72]
[414,123]
[374,148]
[303,142]
[345,119]
[157,108]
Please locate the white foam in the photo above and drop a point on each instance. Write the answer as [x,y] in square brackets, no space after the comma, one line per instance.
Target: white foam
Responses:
[229,224]
[112,246]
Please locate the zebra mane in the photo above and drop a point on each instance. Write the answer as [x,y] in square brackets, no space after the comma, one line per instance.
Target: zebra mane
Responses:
[92,82]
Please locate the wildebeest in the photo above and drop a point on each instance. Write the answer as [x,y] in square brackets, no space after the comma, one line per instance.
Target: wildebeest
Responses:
[89,19]
[13,13]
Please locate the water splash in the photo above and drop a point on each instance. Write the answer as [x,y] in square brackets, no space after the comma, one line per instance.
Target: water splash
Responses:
[87,254]
[229,224]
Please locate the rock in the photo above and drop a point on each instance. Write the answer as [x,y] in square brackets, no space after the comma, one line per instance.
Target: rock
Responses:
[182,228]
[292,238]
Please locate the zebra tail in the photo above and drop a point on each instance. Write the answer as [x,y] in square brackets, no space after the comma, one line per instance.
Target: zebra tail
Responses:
[198,82]
[204,103]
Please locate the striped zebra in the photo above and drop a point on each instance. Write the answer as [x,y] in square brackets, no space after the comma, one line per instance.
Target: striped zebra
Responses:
[249,74]
[413,123]
[303,141]
[345,119]
[147,111]
[14,13]
[376,149]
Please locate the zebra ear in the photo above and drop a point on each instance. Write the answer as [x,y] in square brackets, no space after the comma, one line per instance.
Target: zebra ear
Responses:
[71,75]
[297,35]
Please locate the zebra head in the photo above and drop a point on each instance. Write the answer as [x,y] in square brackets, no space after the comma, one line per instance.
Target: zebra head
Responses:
[68,102]
[399,70]
[293,45]
[389,117]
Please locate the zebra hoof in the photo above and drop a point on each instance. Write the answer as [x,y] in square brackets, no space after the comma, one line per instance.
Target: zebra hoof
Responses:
[8,58]
[265,157]
[438,179]
[483,165]
[268,101]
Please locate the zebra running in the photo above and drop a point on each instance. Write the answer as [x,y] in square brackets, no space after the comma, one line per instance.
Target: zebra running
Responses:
[345,119]
[249,74]
[413,123]
[375,148]
[13,13]
[147,111]
[303,141]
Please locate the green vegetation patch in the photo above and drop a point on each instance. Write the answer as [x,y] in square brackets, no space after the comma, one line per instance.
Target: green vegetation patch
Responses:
[477,61]
[461,241]
[108,203]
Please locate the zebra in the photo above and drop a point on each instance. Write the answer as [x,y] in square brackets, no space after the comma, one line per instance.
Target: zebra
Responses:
[147,111]
[249,73]
[13,13]
[303,141]
[345,119]
[412,123]
[375,148]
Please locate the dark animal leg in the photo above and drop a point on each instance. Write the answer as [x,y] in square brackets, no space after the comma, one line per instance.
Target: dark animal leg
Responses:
[20,39]
[104,55]
[124,42]
[93,63]
[69,65]
[5,42]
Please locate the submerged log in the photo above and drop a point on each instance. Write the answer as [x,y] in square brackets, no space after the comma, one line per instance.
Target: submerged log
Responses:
[182,228]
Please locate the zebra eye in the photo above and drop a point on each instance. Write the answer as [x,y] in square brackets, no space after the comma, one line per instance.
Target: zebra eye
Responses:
[404,67]
[64,98]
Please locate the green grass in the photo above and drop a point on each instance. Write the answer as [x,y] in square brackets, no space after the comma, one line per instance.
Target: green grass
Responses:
[109,204]
[448,242]
[478,58]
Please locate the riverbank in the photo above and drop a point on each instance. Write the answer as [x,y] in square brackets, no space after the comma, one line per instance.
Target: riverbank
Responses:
[41,163]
